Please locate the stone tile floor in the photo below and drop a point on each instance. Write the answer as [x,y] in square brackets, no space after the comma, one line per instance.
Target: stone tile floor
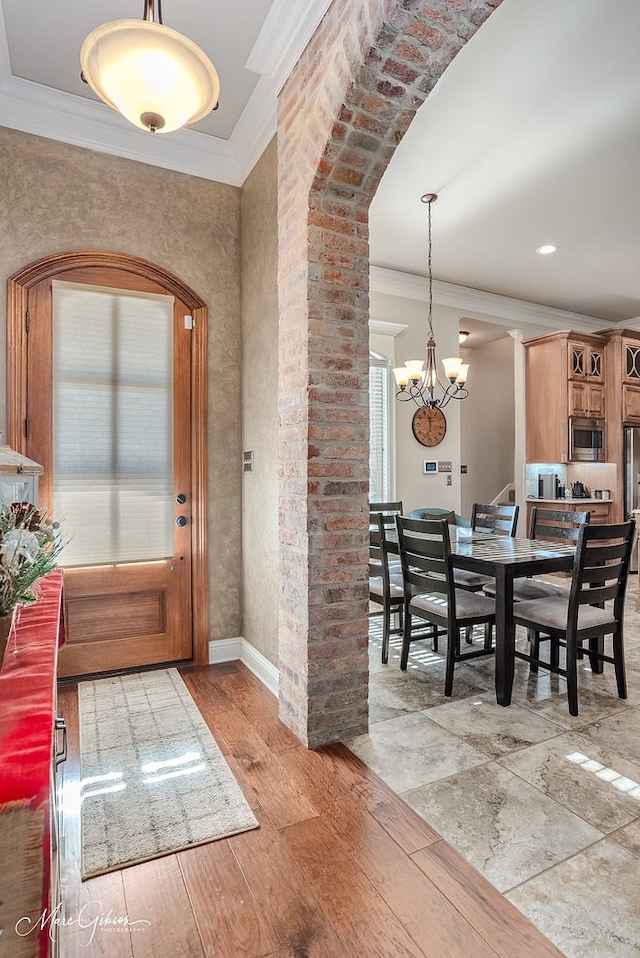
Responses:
[545,805]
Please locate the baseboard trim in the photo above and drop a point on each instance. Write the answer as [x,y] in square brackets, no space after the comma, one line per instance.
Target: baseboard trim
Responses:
[232,650]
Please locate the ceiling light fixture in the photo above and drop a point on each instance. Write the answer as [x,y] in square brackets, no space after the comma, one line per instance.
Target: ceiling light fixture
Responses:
[418,383]
[547,249]
[463,336]
[156,77]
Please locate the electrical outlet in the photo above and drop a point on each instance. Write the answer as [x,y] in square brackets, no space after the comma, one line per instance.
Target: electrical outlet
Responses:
[449,481]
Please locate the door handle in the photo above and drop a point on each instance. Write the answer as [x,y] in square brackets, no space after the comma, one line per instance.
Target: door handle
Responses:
[181,521]
[181,498]
[60,754]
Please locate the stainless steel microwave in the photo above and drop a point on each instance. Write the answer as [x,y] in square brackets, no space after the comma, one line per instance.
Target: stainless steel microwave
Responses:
[586,440]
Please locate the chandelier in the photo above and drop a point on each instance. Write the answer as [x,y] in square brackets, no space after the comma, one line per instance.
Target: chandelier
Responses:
[157,78]
[418,380]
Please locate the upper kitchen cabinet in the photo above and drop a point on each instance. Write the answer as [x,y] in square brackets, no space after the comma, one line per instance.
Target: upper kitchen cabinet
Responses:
[565,377]
[623,375]
[586,378]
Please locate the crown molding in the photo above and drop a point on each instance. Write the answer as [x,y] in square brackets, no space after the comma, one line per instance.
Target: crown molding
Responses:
[382,327]
[287,29]
[256,127]
[57,115]
[499,308]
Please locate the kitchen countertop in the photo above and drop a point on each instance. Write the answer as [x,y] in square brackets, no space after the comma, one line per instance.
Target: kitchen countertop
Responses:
[567,499]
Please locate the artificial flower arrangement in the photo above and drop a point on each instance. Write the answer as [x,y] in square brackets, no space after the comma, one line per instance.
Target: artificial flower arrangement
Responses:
[30,544]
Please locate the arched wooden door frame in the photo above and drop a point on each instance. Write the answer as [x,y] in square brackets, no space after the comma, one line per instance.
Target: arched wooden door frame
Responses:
[48,268]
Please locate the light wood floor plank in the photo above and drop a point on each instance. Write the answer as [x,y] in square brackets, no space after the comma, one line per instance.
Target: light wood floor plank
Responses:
[299,924]
[355,908]
[263,770]
[155,892]
[230,921]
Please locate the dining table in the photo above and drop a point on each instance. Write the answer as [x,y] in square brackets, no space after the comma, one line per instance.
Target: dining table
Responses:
[505,558]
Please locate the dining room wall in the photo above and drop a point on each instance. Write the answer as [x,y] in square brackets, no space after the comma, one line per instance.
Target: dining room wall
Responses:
[261,580]
[488,424]
[58,197]
[413,487]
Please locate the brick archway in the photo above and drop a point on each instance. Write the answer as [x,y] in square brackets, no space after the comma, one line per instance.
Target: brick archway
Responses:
[353,94]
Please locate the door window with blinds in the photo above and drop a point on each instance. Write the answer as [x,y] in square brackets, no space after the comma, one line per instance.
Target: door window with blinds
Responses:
[379,432]
[113,423]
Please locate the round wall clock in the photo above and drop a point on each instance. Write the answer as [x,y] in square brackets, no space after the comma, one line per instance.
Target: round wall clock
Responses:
[429,426]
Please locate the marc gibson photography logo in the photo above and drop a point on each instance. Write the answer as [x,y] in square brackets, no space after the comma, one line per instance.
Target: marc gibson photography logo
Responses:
[90,919]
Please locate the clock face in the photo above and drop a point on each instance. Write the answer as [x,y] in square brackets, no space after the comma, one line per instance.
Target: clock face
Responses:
[429,426]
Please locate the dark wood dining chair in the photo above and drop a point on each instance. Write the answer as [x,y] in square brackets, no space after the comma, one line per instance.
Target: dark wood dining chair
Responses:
[430,593]
[385,582]
[552,525]
[500,520]
[599,576]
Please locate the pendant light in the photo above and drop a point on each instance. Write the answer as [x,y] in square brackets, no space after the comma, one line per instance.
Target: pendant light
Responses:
[419,381]
[156,77]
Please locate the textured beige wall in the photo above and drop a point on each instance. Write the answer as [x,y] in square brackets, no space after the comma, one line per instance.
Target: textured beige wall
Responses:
[259,405]
[57,197]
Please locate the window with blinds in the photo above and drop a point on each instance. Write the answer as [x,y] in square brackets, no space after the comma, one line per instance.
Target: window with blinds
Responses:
[379,446]
[113,423]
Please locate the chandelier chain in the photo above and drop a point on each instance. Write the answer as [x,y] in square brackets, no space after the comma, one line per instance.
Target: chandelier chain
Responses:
[419,381]
[430,272]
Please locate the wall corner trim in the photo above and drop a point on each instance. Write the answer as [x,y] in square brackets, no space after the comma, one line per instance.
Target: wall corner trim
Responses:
[238,649]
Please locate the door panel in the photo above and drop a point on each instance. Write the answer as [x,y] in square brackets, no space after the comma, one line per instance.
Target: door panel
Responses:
[118,614]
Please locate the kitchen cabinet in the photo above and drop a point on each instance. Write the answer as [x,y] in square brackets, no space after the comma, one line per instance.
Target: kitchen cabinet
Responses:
[586,400]
[622,371]
[586,360]
[31,748]
[630,366]
[565,376]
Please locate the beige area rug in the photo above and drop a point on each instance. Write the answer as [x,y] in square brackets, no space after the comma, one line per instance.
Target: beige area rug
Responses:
[153,779]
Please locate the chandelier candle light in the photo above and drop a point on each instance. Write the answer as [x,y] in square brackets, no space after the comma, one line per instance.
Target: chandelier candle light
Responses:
[419,381]
[156,77]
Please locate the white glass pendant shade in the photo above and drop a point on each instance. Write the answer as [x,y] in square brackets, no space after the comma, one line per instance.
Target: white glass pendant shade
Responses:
[462,375]
[452,366]
[401,374]
[156,77]
[414,369]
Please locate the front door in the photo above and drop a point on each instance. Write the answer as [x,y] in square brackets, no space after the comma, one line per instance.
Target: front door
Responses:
[109,415]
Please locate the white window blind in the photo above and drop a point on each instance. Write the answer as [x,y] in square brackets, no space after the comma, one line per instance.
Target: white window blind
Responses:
[379,467]
[113,423]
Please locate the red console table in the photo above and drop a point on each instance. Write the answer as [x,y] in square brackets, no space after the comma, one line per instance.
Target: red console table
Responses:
[28,837]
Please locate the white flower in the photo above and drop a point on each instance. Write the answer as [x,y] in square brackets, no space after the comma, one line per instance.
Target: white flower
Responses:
[18,544]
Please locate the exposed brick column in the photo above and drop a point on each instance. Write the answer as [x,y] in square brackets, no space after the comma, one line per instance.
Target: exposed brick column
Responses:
[347,104]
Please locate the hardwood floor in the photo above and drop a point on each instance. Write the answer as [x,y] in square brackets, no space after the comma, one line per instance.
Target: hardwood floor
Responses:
[340,866]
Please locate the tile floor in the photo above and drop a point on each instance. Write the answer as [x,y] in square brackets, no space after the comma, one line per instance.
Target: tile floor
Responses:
[545,805]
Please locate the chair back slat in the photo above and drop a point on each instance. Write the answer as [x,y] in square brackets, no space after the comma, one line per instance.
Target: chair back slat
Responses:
[501,520]
[556,525]
[387,508]
[424,553]
[601,567]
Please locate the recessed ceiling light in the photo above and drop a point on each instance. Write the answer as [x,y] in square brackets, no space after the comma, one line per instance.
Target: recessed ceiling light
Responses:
[463,335]
[547,249]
